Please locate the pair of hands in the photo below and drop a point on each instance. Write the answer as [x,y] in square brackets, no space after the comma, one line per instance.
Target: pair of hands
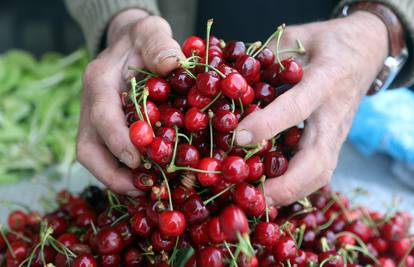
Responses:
[343,58]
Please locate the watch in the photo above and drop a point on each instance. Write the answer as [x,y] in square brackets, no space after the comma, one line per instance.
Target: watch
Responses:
[398,52]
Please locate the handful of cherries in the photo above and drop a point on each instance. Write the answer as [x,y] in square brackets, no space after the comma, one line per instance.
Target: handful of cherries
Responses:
[204,202]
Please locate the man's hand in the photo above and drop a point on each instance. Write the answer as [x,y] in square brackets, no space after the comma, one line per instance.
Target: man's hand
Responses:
[134,39]
[343,58]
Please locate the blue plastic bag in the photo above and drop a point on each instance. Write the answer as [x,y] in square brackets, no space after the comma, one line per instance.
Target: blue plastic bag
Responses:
[385,123]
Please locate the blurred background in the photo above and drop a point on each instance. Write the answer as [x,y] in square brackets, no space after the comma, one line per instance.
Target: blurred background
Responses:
[39,104]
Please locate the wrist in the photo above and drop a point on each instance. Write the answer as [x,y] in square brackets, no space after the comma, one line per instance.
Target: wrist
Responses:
[118,25]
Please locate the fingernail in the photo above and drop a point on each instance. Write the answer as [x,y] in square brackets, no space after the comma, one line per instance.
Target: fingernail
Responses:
[127,158]
[243,137]
[134,193]
[164,55]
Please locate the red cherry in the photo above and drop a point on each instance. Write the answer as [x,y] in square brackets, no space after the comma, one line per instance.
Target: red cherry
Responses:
[256,168]
[233,221]
[234,50]
[300,259]
[245,261]
[86,219]
[234,85]
[264,93]
[194,210]
[17,220]
[223,140]
[171,223]
[291,138]
[275,164]
[158,89]
[284,249]
[398,248]
[180,194]
[20,250]
[208,83]
[152,111]
[248,97]
[109,241]
[335,260]
[181,103]
[361,230]
[59,225]
[160,151]
[235,169]
[266,57]
[192,261]
[225,121]
[141,134]
[267,233]
[160,243]
[208,164]
[226,69]
[218,154]
[193,44]
[250,199]
[209,257]
[171,117]
[167,133]
[68,239]
[109,260]
[124,229]
[271,76]
[140,224]
[222,105]
[386,262]
[199,233]
[180,81]
[380,245]
[85,260]
[195,120]
[249,67]
[143,180]
[215,233]
[292,74]
[215,51]
[195,99]
[133,258]
[187,155]
[214,41]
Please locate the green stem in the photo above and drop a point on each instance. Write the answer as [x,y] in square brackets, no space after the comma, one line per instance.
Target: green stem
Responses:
[209,24]
[217,195]
[241,105]
[410,248]
[6,240]
[230,252]
[365,252]
[253,47]
[233,105]
[255,150]
[142,71]
[174,253]
[262,180]
[145,94]
[211,102]
[185,137]
[266,42]
[172,163]
[278,37]
[134,97]
[166,184]
[187,64]
[210,125]
[180,168]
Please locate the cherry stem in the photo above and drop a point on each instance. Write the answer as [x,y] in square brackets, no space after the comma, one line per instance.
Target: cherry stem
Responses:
[326,260]
[278,37]
[233,106]
[188,64]
[6,240]
[210,126]
[357,238]
[209,24]
[341,205]
[300,234]
[329,222]
[262,180]
[410,248]
[300,49]
[93,228]
[233,139]
[325,245]
[134,97]
[25,238]
[304,211]
[253,47]
[166,185]
[230,252]
[363,251]
[142,71]
[174,253]
[145,94]
[182,168]
[266,42]
[185,137]
[217,195]
[241,105]
[124,216]
[211,102]
[172,163]
[250,153]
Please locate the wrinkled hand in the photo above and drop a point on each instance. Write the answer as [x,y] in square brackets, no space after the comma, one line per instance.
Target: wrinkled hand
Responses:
[134,39]
[343,58]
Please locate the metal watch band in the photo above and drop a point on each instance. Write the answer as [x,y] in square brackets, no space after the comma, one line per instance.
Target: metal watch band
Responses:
[398,52]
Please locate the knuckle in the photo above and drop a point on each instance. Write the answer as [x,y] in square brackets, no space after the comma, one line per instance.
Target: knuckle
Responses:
[152,23]
[290,194]
[112,184]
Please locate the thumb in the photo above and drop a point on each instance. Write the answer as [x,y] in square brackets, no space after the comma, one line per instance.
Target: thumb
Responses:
[159,51]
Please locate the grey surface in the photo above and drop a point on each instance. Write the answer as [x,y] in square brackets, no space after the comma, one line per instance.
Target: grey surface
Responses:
[373,174]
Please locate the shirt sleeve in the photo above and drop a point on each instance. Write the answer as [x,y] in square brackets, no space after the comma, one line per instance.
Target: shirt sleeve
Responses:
[93,16]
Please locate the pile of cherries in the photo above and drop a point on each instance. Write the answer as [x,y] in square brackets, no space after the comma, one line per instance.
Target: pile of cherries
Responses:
[203,202]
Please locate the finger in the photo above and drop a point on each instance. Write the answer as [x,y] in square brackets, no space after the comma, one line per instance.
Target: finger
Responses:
[305,175]
[159,51]
[99,161]
[287,110]
[107,116]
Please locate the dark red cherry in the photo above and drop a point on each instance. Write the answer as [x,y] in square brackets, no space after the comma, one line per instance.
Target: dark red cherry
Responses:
[215,51]
[245,261]
[248,97]
[234,50]
[68,239]
[143,180]
[300,259]
[195,120]
[187,155]
[133,258]
[124,229]
[235,169]
[181,193]
[284,249]
[20,250]
[181,81]
[199,233]
[214,41]
[264,93]
[249,67]
[250,199]
[291,138]
[192,261]
[110,260]
[167,133]
[234,86]
[215,233]
[219,154]
[160,243]
[195,99]
[292,74]
[160,151]
[109,241]
[17,220]
[271,76]
[158,89]
[256,168]
[267,233]
[194,210]
[181,103]
[140,224]
[224,121]
[233,221]
[266,57]
[332,258]
[193,45]
[209,257]
[85,260]
[275,164]
[360,229]
[208,164]
[171,117]
[223,140]
[152,111]
[208,83]
[171,223]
